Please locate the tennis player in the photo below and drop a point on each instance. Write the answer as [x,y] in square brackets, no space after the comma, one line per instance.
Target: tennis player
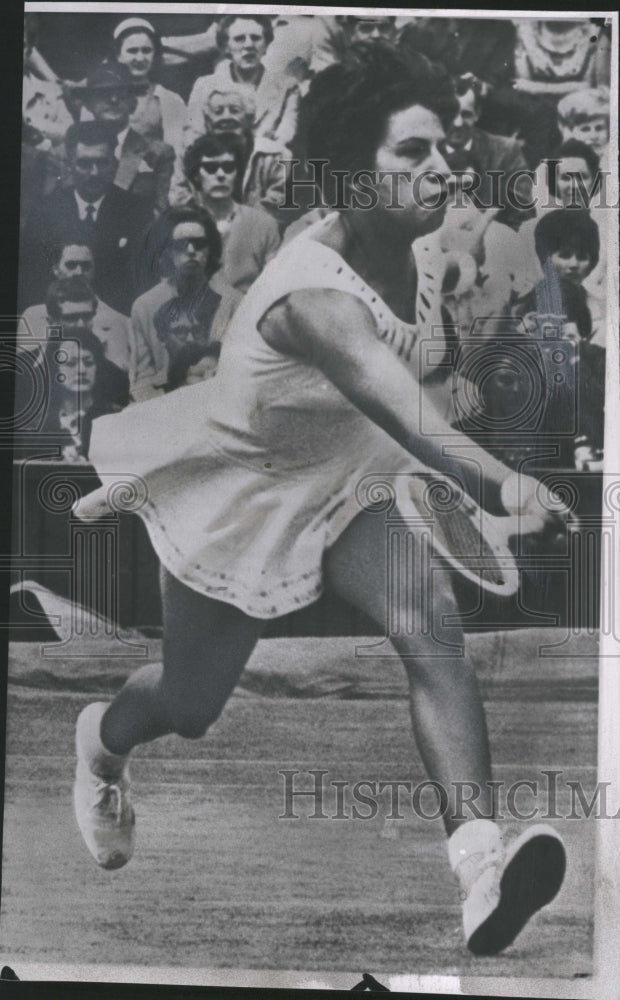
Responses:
[321,383]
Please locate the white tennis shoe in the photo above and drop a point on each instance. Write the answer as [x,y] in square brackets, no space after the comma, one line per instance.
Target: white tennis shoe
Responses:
[101,794]
[501,889]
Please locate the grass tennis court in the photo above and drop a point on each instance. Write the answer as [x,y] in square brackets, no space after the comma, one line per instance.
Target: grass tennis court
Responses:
[219,881]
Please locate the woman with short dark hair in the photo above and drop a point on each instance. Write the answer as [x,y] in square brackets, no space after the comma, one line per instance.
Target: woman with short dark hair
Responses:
[317,396]
[571,174]
[183,249]
[160,241]
[250,238]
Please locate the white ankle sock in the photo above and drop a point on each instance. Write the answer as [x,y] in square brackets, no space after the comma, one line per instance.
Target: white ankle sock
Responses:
[100,760]
[473,846]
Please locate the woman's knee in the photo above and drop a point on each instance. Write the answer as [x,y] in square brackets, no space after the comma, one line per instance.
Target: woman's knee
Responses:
[426,614]
[427,634]
[431,662]
[191,717]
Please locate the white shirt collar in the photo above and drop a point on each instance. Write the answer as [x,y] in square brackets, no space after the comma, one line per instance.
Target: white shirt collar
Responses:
[466,147]
[81,205]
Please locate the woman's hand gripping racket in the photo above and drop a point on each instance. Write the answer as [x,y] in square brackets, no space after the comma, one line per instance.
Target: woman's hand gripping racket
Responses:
[535,508]
[472,541]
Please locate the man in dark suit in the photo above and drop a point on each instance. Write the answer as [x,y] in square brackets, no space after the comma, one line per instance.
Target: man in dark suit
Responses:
[145,165]
[91,210]
[483,153]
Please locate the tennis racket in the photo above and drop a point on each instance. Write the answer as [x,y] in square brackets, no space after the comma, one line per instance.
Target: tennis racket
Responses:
[473,542]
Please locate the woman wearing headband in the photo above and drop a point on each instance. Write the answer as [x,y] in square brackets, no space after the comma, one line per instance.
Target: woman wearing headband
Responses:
[160,113]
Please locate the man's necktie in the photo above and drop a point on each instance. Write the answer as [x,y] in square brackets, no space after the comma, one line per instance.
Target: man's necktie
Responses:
[89,220]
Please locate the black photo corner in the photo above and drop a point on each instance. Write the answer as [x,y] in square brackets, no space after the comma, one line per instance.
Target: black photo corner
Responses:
[12,983]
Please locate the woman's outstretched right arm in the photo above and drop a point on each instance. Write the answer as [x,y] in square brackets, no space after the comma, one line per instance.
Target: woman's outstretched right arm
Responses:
[336,332]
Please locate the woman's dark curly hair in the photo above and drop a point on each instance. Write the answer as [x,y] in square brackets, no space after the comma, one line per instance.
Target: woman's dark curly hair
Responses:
[86,340]
[154,255]
[215,145]
[344,115]
[567,228]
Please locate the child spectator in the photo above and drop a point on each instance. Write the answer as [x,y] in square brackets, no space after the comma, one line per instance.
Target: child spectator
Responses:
[551,58]
[184,326]
[584,115]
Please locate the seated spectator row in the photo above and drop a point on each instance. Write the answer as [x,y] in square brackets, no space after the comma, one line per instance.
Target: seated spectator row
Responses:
[158,178]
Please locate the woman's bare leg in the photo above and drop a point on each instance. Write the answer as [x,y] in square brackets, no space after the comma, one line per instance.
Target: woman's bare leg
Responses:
[206,646]
[446,709]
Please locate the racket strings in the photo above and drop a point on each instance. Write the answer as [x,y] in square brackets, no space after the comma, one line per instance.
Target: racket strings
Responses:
[461,537]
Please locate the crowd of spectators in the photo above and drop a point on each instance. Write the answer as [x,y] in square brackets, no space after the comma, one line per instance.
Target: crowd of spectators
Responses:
[156,186]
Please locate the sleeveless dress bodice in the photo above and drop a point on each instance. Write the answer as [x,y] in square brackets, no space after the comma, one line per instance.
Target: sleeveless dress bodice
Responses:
[250,476]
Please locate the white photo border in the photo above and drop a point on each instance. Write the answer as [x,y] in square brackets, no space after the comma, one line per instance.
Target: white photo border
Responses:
[605,981]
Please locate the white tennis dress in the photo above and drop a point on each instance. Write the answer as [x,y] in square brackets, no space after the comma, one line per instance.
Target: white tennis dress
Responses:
[251,475]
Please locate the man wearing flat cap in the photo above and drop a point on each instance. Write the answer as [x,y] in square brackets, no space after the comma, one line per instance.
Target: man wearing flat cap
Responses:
[145,165]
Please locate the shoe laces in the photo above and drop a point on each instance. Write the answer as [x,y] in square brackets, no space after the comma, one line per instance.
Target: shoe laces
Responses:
[107,799]
[471,869]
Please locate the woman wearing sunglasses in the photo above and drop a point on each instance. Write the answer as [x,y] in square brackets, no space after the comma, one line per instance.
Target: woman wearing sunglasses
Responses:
[214,167]
[184,250]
